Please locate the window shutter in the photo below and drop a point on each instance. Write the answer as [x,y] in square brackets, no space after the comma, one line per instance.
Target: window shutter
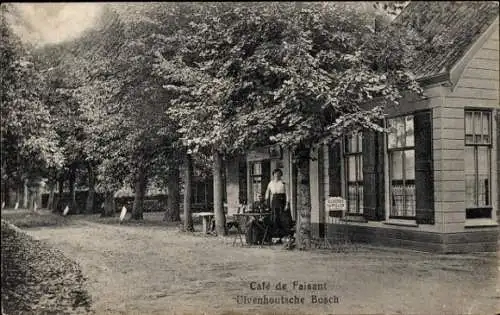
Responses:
[369,175]
[373,175]
[242,169]
[334,174]
[498,163]
[266,176]
[424,180]
[380,163]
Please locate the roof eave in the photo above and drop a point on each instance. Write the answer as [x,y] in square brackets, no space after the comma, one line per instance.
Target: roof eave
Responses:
[458,68]
[440,78]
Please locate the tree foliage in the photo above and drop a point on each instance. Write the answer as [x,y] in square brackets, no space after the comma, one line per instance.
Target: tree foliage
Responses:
[246,74]
[118,105]
[29,143]
[154,81]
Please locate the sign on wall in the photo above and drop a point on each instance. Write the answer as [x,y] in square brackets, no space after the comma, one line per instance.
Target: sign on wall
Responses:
[335,204]
[274,152]
[258,155]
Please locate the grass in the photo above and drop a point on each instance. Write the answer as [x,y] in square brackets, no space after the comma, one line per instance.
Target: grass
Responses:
[24,218]
[28,219]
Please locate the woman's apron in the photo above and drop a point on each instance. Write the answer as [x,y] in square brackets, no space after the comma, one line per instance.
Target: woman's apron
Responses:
[278,215]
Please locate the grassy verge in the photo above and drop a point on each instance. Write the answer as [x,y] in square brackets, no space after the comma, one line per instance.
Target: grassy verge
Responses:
[38,279]
[30,219]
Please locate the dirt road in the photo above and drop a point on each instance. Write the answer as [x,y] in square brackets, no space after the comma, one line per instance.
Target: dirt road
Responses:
[159,270]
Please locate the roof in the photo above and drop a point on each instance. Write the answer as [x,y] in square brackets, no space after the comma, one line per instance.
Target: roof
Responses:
[450,28]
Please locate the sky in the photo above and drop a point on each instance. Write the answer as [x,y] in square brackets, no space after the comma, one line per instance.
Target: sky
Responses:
[50,23]
[47,23]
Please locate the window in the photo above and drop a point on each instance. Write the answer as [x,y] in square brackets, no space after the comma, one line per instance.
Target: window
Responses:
[259,178]
[257,181]
[199,195]
[353,161]
[478,132]
[401,152]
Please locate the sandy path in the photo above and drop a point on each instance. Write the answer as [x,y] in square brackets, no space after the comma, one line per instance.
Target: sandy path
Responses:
[145,270]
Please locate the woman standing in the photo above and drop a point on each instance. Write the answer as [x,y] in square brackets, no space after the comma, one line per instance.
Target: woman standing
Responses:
[276,194]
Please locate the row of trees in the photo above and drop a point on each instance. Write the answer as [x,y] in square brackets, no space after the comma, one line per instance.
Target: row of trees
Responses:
[159,85]
[28,141]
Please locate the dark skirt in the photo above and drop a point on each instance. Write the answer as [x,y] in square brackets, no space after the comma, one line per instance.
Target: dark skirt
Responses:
[280,216]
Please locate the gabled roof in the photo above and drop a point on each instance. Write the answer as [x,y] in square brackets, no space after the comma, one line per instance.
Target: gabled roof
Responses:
[451,28]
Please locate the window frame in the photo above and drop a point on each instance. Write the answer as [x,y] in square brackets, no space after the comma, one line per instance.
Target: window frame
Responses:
[254,176]
[264,174]
[358,160]
[390,169]
[486,211]
[199,192]
[194,193]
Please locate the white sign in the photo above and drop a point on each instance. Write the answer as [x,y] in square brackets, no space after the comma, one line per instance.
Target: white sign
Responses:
[335,204]
[66,210]
[258,154]
[123,213]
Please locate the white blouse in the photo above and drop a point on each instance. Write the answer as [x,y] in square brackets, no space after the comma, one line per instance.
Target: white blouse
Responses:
[275,187]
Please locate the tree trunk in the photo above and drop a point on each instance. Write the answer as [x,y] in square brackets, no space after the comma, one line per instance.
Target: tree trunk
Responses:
[108,209]
[31,196]
[25,194]
[5,193]
[140,192]
[39,194]
[50,201]
[34,194]
[89,204]
[188,174]
[72,191]
[220,217]
[303,226]
[172,214]
[58,204]
[12,196]
[8,199]
[19,194]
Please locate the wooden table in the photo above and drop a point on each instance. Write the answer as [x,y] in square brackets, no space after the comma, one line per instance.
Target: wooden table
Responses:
[256,216]
[207,220]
